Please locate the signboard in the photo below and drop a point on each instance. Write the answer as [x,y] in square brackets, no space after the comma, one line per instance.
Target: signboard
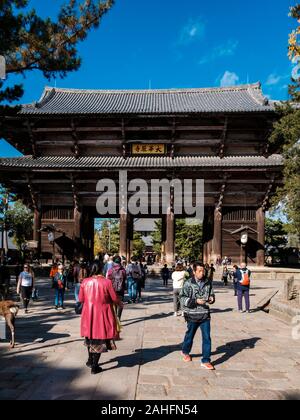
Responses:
[148,149]
[2,68]
[32,244]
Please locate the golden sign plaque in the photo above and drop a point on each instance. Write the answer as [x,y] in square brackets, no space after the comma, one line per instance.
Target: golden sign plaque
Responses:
[148,149]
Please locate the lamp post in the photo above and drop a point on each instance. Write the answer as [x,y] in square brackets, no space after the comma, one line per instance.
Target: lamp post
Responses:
[51,239]
[244,241]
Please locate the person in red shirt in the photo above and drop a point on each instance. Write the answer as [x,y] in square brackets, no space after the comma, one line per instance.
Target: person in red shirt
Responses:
[98,319]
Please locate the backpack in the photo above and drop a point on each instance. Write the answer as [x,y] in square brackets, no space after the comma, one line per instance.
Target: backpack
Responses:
[135,272]
[117,278]
[245,278]
[82,275]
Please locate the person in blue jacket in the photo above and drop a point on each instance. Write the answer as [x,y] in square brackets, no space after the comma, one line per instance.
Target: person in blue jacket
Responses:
[243,287]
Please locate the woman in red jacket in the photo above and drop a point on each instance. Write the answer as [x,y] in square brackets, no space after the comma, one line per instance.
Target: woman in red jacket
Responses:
[98,321]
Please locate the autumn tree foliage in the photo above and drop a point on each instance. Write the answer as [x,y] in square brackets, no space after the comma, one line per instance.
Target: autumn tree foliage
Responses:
[286,134]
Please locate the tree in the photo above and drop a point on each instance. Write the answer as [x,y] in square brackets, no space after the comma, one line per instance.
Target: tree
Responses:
[6,199]
[188,239]
[138,244]
[286,137]
[108,238]
[188,243]
[97,244]
[157,237]
[276,236]
[19,220]
[29,42]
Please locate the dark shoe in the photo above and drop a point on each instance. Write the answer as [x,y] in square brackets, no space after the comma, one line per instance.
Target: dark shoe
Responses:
[56,307]
[95,366]
[96,370]
[89,363]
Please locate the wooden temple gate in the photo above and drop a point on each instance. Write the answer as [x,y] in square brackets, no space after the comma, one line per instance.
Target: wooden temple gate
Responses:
[73,138]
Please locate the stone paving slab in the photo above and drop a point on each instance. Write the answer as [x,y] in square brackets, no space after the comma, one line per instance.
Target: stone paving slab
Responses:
[254,354]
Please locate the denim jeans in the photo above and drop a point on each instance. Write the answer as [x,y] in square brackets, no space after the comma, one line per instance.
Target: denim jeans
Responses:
[132,288]
[76,291]
[59,297]
[192,328]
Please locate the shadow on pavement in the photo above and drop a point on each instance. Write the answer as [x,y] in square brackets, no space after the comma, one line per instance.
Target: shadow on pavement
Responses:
[137,320]
[233,348]
[141,356]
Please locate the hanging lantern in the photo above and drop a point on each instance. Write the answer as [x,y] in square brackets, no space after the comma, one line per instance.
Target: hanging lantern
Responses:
[244,238]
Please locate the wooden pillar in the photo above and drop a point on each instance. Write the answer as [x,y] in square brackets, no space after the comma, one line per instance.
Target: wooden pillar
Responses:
[260,219]
[205,259]
[170,236]
[123,233]
[209,251]
[77,222]
[217,238]
[163,239]
[37,224]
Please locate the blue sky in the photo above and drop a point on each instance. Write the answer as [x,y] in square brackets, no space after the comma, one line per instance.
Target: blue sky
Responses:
[176,44]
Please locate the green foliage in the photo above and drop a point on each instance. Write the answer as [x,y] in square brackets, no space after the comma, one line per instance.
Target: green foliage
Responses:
[29,42]
[286,139]
[188,243]
[276,235]
[108,239]
[19,220]
[138,244]
[188,239]
[6,199]
[157,237]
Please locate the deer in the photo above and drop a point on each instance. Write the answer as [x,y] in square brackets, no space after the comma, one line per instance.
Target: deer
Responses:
[9,311]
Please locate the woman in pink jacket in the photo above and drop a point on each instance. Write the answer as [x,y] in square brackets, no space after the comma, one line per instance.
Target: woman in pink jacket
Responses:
[98,321]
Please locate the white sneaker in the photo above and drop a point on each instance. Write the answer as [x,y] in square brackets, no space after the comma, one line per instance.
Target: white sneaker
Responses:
[175,314]
[182,314]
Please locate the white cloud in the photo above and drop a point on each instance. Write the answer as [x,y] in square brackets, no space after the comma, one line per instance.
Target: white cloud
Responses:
[229,79]
[223,50]
[192,31]
[273,79]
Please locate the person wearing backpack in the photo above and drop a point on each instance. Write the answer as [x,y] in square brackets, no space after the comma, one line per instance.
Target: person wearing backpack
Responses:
[60,281]
[117,275]
[243,287]
[134,275]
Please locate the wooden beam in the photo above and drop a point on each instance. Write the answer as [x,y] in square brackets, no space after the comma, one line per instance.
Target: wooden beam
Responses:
[32,193]
[29,126]
[74,192]
[221,152]
[124,147]
[266,201]
[131,128]
[75,139]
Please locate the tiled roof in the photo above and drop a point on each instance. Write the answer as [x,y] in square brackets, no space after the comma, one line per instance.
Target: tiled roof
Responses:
[244,98]
[118,162]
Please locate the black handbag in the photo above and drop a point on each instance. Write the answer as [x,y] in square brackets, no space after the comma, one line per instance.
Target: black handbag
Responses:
[78,308]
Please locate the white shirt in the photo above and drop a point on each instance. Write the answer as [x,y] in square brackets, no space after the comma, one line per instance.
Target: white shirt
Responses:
[178,279]
[26,279]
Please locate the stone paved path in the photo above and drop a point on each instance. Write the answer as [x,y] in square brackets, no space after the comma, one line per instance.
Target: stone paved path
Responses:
[254,354]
